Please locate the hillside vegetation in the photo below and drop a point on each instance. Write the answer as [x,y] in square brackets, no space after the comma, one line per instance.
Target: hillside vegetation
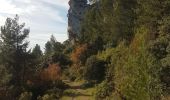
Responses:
[122,53]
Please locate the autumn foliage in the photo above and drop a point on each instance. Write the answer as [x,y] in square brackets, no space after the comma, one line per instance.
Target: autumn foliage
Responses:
[51,73]
[78,55]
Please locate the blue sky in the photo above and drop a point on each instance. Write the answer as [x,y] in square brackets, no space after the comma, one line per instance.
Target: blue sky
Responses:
[43,17]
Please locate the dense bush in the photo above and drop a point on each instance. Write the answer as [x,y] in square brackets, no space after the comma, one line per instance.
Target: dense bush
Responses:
[104,90]
[5,76]
[75,72]
[94,69]
[136,72]
[60,58]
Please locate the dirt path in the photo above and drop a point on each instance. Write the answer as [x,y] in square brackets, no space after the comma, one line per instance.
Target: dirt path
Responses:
[76,92]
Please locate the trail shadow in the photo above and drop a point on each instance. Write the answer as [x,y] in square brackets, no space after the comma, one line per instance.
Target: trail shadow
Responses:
[76,94]
[75,87]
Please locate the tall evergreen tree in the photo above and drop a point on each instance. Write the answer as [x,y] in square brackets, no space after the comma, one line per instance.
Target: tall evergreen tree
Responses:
[37,51]
[14,47]
[48,48]
[53,46]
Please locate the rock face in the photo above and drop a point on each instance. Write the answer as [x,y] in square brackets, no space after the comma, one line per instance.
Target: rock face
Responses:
[75,16]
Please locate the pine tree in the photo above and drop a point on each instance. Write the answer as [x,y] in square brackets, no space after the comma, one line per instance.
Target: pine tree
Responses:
[14,47]
[53,46]
[37,51]
[48,48]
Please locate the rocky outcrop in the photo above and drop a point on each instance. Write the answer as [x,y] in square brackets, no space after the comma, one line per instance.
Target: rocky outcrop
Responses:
[75,16]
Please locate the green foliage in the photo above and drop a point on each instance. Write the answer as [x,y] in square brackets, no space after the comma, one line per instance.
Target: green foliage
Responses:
[90,26]
[148,13]
[48,97]
[5,76]
[124,44]
[26,96]
[52,94]
[92,69]
[106,55]
[113,20]
[14,52]
[160,46]
[95,46]
[104,90]
[36,57]
[137,74]
[60,58]
[13,43]
[68,47]
[48,48]
[70,93]
[139,31]
[37,51]
[75,72]
[53,46]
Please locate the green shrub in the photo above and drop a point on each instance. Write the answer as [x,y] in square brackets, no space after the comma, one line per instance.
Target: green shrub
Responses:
[136,72]
[104,90]
[75,72]
[52,94]
[94,69]
[26,96]
[5,76]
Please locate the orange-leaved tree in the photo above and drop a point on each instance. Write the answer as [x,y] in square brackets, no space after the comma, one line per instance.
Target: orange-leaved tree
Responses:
[79,55]
[51,73]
